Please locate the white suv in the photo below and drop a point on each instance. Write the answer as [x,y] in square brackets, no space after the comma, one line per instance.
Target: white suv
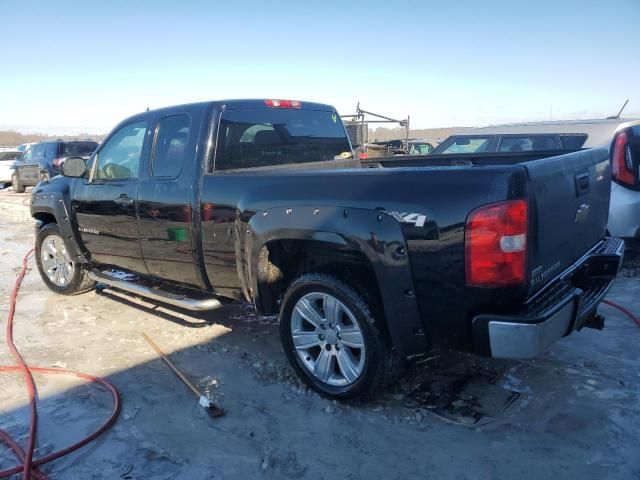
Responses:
[624,210]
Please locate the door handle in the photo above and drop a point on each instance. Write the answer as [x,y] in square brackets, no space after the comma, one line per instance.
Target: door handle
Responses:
[123,200]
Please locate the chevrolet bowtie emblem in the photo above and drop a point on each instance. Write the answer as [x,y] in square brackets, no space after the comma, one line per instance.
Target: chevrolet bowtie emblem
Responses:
[582,213]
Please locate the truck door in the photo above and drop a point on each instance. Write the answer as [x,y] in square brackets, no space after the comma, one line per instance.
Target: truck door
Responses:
[106,201]
[165,200]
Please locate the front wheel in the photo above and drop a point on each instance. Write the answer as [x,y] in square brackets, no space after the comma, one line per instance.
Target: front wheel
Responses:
[16,183]
[57,269]
[330,338]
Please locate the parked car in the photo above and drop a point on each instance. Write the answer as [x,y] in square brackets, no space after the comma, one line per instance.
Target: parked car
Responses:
[262,200]
[9,159]
[621,137]
[510,142]
[44,159]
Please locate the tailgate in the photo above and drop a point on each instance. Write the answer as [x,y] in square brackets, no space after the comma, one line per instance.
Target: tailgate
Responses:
[569,211]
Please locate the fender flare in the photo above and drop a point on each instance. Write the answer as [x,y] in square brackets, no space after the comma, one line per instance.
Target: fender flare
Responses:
[58,204]
[377,235]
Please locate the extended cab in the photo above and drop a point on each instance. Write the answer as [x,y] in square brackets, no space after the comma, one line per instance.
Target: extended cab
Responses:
[262,200]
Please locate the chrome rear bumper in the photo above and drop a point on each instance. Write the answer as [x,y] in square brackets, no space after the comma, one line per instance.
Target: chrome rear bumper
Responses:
[565,307]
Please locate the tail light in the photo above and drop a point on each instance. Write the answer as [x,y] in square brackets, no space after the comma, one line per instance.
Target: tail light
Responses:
[363,155]
[496,244]
[57,161]
[622,165]
[283,103]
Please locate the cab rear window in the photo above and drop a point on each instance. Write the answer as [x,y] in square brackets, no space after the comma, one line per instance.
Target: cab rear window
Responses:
[255,138]
[79,149]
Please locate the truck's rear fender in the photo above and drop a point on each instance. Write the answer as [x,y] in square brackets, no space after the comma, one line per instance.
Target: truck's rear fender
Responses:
[360,238]
[52,201]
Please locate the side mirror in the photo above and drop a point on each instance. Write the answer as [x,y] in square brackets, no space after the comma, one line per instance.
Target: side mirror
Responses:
[74,167]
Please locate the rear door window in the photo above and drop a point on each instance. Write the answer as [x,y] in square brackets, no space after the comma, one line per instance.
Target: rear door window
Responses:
[254,138]
[38,150]
[51,150]
[170,148]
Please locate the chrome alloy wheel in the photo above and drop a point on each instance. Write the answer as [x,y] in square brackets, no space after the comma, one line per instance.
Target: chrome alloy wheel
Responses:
[328,339]
[56,261]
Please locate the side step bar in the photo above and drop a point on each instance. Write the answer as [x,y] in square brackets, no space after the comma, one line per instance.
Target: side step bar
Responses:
[181,301]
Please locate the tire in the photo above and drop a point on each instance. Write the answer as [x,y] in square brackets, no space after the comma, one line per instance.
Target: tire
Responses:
[76,276]
[367,368]
[18,187]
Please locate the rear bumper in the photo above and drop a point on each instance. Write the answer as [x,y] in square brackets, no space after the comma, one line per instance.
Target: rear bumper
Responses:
[568,304]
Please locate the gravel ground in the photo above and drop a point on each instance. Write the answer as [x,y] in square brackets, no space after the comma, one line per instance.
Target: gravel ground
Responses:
[574,413]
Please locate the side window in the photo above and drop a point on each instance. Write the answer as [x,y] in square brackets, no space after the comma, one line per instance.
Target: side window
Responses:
[170,148]
[51,150]
[119,158]
[528,143]
[38,150]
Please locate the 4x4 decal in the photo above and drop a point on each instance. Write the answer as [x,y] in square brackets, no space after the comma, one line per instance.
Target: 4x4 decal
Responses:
[417,219]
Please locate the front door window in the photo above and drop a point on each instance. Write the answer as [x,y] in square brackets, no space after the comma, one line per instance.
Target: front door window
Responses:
[119,158]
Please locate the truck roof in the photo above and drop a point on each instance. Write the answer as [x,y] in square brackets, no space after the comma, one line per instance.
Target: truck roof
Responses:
[257,103]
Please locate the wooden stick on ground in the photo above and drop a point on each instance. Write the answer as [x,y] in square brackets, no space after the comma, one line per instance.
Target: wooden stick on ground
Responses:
[204,401]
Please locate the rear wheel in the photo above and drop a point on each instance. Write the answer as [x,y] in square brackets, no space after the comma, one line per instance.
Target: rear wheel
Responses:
[330,338]
[16,183]
[57,269]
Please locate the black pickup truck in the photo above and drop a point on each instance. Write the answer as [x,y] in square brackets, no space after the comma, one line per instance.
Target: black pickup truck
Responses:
[262,200]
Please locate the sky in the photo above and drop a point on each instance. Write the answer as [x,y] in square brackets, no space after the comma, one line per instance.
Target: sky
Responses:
[70,67]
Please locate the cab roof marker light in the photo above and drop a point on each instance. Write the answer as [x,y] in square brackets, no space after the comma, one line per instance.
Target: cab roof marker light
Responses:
[273,103]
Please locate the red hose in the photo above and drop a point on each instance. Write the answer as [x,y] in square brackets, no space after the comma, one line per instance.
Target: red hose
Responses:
[28,465]
[623,310]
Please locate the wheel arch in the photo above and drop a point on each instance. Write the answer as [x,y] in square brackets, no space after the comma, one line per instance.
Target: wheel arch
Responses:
[365,248]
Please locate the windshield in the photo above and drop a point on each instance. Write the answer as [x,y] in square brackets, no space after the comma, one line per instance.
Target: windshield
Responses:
[464,144]
[77,149]
[268,137]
